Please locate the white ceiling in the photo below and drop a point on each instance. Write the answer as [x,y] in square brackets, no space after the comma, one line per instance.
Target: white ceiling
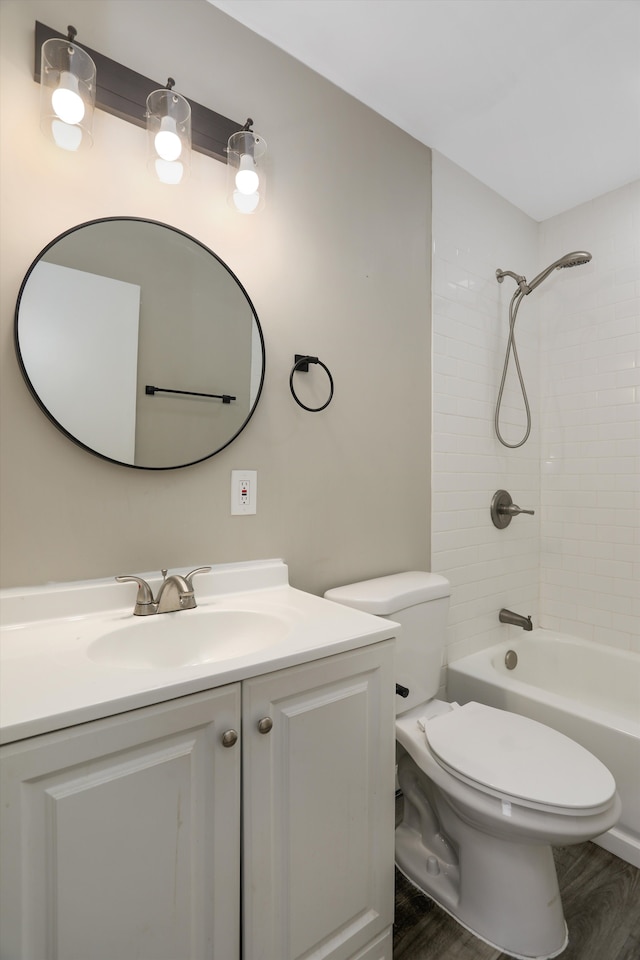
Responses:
[538,99]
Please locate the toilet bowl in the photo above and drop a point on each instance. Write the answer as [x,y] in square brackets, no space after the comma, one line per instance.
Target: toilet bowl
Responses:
[486,793]
[480,821]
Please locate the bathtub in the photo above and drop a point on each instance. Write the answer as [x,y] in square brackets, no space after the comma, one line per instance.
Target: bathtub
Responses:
[585,690]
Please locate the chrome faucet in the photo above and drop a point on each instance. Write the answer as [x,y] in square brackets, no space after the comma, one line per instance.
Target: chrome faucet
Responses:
[175,593]
[508,616]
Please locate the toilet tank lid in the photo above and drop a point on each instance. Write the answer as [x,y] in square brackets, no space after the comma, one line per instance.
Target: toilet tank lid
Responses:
[385,596]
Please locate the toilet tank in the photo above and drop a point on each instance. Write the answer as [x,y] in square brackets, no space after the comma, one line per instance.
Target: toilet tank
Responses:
[419,602]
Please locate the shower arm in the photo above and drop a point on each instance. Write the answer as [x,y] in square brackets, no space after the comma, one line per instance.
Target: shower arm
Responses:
[501,274]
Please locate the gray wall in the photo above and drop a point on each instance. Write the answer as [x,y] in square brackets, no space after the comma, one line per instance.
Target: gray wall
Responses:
[337,265]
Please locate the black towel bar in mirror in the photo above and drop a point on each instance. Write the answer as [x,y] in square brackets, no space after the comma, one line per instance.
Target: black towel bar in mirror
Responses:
[225,397]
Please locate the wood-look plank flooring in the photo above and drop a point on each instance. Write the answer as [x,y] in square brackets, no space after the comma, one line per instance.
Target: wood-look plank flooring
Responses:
[601,901]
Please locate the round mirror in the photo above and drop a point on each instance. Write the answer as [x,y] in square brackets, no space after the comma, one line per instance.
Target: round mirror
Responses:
[139,343]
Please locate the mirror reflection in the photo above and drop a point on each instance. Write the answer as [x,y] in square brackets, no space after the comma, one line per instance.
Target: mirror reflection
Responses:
[139,343]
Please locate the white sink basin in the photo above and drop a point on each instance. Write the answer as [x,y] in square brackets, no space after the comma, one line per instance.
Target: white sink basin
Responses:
[187,639]
[73,653]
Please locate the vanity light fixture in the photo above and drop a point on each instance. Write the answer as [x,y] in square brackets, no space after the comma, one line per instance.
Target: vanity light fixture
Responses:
[246,177]
[68,77]
[130,96]
[169,134]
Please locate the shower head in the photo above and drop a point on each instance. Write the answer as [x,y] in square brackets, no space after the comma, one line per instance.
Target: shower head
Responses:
[574,259]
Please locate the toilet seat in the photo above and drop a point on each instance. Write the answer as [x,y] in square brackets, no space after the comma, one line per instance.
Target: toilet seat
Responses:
[511,756]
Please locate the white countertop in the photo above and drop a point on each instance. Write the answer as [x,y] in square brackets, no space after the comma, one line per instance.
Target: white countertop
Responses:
[49,681]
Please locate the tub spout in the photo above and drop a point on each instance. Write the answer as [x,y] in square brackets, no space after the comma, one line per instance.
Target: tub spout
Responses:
[508,616]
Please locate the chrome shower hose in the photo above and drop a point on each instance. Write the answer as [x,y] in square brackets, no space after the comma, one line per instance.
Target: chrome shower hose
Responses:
[511,348]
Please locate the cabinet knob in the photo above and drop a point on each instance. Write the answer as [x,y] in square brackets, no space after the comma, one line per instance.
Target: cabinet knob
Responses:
[265,725]
[229,737]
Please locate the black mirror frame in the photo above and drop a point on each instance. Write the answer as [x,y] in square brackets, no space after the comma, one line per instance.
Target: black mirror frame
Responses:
[48,414]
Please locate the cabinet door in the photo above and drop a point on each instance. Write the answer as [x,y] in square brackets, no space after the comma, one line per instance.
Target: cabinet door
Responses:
[382,949]
[121,838]
[319,807]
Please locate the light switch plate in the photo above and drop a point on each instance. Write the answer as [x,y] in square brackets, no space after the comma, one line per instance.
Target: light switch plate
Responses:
[244,488]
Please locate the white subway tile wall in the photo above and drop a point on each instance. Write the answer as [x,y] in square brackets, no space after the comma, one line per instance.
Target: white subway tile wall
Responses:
[474,233]
[590,453]
[578,337]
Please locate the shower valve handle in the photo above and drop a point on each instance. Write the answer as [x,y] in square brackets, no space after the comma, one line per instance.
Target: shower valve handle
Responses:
[503,509]
[513,510]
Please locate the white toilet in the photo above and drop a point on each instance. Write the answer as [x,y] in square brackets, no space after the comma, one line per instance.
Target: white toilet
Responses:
[486,792]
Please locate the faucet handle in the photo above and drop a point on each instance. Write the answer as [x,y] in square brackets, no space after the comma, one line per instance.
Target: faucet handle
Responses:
[513,510]
[144,598]
[503,509]
[145,594]
[189,576]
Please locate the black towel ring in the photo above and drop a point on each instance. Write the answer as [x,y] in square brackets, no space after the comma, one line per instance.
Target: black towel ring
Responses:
[302,365]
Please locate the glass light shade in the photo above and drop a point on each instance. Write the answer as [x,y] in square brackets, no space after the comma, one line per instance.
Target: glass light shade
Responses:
[168,135]
[246,178]
[68,94]
[169,171]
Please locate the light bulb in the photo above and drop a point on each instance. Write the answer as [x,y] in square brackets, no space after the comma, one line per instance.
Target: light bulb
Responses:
[169,172]
[167,142]
[66,135]
[245,203]
[66,101]
[247,180]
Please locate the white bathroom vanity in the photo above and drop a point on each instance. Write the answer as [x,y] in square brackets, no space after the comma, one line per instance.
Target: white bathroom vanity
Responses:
[232,801]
